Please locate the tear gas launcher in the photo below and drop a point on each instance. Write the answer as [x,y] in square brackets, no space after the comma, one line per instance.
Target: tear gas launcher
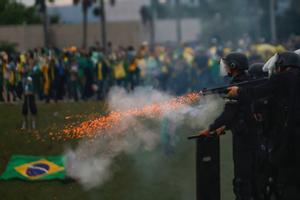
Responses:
[224,90]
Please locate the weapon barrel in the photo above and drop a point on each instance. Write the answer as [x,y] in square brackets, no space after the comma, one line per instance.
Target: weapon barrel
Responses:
[211,134]
[223,89]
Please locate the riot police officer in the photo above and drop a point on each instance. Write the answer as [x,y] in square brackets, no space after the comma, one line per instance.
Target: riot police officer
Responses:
[265,172]
[256,71]
[284,89]
[237,118]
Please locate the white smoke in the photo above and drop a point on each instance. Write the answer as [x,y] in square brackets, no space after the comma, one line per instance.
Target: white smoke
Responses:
[119,99]
[90,163]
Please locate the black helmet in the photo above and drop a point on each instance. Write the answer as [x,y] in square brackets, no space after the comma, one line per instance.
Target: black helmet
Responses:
[287,59]
[256,71]
[237,61]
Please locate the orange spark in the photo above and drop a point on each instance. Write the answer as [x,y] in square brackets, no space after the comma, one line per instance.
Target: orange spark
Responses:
[95,127]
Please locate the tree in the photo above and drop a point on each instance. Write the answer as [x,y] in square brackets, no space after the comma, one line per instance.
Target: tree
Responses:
[42,7]
[100,11]
[85,4]
[14,13]
[103,24]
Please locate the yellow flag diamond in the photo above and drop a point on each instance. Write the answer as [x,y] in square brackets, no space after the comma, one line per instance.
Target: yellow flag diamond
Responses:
[38,169]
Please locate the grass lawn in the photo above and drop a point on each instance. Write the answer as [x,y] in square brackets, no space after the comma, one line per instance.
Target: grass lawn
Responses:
[142,176]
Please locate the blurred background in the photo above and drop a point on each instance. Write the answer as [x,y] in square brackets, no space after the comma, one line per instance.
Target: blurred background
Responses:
[138,20]
[64,44]
[75,51]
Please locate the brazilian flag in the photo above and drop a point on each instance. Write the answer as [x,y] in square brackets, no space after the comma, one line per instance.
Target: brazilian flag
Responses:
[33,168]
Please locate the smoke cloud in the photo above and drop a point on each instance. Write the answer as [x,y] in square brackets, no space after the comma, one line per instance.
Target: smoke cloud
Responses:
[90,163]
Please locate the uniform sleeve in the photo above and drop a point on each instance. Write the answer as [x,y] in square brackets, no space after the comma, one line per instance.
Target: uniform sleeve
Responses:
[260,91]
[227,116]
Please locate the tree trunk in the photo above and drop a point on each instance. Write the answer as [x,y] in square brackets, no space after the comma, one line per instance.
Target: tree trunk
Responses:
[273,21]
[103,25]
[84,27]
[45,23]
[178,22]
[152,23]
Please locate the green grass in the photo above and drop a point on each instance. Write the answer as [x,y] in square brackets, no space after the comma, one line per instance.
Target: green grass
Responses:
[141,176]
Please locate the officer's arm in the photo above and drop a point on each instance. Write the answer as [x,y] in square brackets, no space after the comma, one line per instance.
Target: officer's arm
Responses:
[226,117]
[260,91]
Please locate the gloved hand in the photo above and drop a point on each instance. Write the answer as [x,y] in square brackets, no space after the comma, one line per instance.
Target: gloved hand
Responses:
[220,131]
[233,91]
[205,132]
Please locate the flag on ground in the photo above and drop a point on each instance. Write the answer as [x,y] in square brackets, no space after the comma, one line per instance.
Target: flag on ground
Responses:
[33,168]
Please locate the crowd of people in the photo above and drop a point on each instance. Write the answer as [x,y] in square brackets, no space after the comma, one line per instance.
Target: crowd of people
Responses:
[263,118]
[52,74]
[72,73]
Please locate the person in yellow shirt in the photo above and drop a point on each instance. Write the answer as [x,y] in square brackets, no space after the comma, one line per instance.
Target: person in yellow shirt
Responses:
[102,77]
[119,70]
[46,78]
[133,73]
[8,79]
[20,70]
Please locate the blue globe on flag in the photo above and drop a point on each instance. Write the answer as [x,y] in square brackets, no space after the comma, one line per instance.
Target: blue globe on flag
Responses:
[37,169]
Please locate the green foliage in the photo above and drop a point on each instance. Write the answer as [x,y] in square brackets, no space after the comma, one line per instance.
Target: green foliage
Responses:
[8,47]
[12,13]
[54,19]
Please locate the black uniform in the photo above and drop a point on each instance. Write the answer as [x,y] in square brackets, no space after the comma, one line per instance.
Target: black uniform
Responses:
[237,118]
[265,172]
[284,89]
